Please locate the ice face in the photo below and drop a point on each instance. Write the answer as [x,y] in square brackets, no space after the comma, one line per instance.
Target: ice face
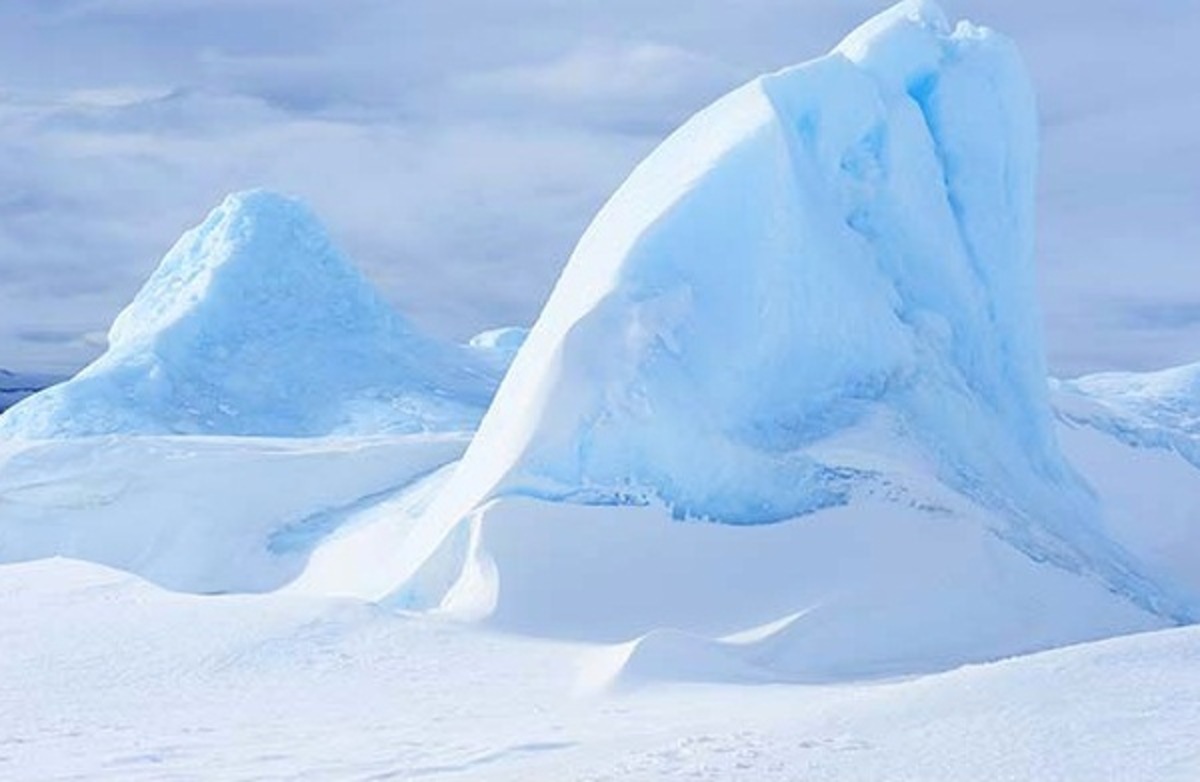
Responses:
[255,324]
[847,235]
[816,293]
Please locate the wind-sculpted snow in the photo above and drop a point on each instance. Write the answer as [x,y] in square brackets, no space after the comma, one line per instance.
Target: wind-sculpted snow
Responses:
[254,324]
[815,299]
[204,514]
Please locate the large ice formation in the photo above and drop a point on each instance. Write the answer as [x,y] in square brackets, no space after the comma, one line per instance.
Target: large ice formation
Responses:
[845,237]
[254,324]
[815,300]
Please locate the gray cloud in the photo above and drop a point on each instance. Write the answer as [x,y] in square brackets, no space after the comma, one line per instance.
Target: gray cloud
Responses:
[458,148]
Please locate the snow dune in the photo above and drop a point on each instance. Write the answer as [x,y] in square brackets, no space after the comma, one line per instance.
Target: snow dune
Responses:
[201,514]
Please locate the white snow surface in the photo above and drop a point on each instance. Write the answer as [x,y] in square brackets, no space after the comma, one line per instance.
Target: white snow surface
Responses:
[790,378]
[255,324]
[106,677]
[202,514]
[774,489]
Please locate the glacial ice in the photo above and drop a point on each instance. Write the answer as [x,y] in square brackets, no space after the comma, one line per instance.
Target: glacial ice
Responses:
[794,369]
[255,324]
[845,236]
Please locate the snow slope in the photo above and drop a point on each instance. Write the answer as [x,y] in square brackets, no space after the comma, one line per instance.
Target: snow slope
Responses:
[202,514]
[812,306]
[106,677]
[254,324]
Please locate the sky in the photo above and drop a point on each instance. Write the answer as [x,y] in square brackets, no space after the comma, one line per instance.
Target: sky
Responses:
[458,148]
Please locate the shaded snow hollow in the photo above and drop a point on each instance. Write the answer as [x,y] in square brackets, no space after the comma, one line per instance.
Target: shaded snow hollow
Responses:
[255,324]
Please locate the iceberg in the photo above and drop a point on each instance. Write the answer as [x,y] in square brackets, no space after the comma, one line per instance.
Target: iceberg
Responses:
[793,368]
[843,238]
[255,324]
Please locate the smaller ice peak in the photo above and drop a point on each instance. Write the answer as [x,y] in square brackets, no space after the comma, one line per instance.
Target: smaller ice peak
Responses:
[254,323]
[260,257]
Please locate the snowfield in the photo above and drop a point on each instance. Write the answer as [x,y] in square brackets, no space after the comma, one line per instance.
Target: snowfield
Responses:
[104,676]
[211,514]
[776,488]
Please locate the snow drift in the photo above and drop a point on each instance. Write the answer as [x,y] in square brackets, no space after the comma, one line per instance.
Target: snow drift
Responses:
[254,324]
[813,302]
[206,514]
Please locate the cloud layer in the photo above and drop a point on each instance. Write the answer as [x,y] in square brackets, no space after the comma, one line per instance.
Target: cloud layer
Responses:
[458,148]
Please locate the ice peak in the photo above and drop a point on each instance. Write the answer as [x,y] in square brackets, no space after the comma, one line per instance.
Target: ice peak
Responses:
[254,323]
[841,252]
[263,248]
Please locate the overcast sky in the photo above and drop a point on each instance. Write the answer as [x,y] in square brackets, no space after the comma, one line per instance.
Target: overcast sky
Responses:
[457,148]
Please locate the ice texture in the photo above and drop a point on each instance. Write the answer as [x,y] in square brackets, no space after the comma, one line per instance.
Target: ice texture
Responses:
[849,234]
[255,324]
[805,330]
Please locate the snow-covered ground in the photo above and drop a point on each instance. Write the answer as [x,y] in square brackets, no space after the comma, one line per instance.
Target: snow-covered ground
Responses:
[106,677]
[201,514]
[811,515]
